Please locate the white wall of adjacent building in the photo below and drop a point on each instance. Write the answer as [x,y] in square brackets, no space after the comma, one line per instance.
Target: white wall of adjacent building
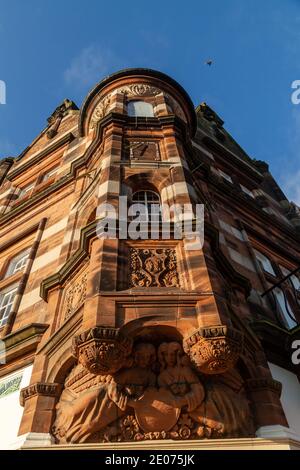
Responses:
[290,396]
[10,409]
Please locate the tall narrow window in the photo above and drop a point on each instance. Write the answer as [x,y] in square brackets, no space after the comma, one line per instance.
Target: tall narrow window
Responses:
[151,203]
[18,263]
[140,109]
[287,313]
[7,297]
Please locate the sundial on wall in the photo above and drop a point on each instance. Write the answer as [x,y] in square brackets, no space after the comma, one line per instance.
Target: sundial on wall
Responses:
[142,150]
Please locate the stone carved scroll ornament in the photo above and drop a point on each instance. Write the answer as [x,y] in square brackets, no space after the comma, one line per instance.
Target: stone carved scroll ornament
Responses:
[159,396]
[153,268]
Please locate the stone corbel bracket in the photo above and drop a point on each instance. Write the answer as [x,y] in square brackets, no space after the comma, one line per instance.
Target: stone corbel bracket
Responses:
[40,389]
[102,350]
[214,350]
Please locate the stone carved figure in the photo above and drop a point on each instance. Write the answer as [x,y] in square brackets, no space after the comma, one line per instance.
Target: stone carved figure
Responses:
[216,409]
[138,404]
[82,413]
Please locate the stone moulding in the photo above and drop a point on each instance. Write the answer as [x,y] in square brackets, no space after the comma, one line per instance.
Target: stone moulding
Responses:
[40,388]
[214,350]
[257,384]
[102,350]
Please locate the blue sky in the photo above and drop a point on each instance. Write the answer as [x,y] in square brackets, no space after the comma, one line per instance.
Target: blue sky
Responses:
[51,50]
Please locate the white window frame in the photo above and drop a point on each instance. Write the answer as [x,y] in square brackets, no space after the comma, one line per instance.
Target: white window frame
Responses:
[264,262]
[151,204]
[18,263]
[7,297]
[140,108]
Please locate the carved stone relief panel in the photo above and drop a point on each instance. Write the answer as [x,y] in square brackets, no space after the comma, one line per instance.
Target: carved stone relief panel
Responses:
[156,395]
[151,267]
[139,89]
[100,111]
[142,150]
[75,293]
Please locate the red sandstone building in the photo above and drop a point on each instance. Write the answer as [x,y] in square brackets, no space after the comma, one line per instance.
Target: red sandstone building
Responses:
[145,343]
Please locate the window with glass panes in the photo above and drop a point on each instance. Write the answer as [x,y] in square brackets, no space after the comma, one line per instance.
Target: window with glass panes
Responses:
[286,311]
[18,263]
[7,297]
[151,202]
[140,109]
[264,262]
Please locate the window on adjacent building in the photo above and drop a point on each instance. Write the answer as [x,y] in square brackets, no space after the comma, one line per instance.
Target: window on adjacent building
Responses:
[151,202]
[140,108]
[293,279]
[247,191]
[225,176]
[18,263]
[48,174]
[7,297]
[26,189]
[264,262]
[287,313]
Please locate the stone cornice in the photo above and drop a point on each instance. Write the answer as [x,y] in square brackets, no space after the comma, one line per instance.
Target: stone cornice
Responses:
[19,236]
[51,148]
[40,389]
[258,384]
[81,161]
[229,155]
[14,211]
[253,206]
[271,243]
[23,341]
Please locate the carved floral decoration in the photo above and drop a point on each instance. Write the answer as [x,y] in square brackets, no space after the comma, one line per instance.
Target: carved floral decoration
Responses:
[100,111]
[214,350]
[75,295]
[102,350]
[139,89]
[153,268]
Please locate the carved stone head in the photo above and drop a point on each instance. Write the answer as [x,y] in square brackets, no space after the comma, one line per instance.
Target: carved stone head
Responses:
[144,355]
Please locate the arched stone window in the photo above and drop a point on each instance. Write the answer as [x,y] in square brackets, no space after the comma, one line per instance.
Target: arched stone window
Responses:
[151,201]
[140,109]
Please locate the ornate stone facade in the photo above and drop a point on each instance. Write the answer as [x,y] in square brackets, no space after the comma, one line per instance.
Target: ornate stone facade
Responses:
[137,340]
